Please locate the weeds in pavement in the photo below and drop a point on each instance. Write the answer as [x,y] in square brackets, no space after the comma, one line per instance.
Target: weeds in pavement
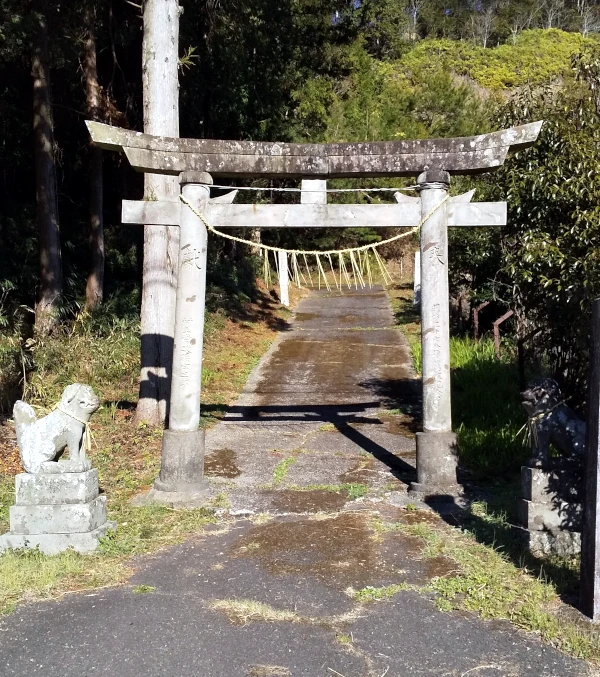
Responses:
[281,469]
[143,589]
[344,639]
[373,594]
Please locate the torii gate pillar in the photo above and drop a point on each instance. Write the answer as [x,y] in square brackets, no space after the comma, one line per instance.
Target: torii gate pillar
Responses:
[436,446]
[181,477]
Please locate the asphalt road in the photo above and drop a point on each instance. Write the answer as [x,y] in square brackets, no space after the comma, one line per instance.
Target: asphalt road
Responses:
[328,395]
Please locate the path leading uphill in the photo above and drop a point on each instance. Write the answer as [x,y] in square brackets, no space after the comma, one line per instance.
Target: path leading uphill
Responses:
[310,468]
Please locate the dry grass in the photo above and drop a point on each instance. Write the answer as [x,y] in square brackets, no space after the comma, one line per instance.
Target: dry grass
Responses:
[269,671]
[244,611]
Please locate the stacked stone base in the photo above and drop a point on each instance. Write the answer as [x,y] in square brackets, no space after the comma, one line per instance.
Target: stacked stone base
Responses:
[550,511]
[552,542]
[56,512]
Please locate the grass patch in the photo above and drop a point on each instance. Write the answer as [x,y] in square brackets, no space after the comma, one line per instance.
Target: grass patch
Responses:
[104,352]
[143,530]
[7,498]
[486,408]
[497,581]
[27,575]
[408,316]
[495,588]
[372,594]
[104,355]
[127,458]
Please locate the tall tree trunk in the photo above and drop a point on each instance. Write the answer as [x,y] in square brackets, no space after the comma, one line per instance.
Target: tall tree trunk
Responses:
[95,283]
[161,244]
[255,236]
[51,284]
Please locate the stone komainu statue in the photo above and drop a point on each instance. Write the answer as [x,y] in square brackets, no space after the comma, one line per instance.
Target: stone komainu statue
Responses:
[42,441]
[552,422]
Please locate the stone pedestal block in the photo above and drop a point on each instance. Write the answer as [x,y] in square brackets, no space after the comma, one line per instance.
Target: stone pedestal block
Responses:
[52,544]
[549,516]
[64,488]
[552,542]
[55,512]
[58,519]
[547,485]
[550,510]
[437,461]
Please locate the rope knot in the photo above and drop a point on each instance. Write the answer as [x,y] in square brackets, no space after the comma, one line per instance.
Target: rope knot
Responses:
[87,432]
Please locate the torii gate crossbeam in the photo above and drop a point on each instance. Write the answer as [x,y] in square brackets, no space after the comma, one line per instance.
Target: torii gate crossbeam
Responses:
[164,155]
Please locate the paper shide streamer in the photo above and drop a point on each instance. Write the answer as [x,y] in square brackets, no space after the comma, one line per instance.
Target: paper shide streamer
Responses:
[355,265]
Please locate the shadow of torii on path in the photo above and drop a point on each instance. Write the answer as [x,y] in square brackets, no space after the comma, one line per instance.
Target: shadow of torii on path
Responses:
[343,417]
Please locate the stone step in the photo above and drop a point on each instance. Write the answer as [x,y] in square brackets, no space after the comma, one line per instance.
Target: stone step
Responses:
[58,519]
[56,489]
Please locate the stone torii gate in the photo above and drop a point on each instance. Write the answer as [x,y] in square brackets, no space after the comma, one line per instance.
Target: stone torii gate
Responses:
[198,161]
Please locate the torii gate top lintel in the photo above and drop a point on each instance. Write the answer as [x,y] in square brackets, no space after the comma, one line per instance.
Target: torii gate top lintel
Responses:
[165,155]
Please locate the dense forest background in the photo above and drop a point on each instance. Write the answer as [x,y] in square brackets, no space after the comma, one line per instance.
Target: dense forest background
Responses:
[324,70]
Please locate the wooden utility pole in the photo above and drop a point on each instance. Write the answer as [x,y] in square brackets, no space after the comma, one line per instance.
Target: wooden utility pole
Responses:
[51,283]
[161,245]
[590,536]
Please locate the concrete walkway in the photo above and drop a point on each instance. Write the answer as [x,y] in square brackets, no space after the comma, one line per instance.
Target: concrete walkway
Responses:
[265,593]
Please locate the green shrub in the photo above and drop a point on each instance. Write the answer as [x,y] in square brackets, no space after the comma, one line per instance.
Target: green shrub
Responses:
[537,57]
